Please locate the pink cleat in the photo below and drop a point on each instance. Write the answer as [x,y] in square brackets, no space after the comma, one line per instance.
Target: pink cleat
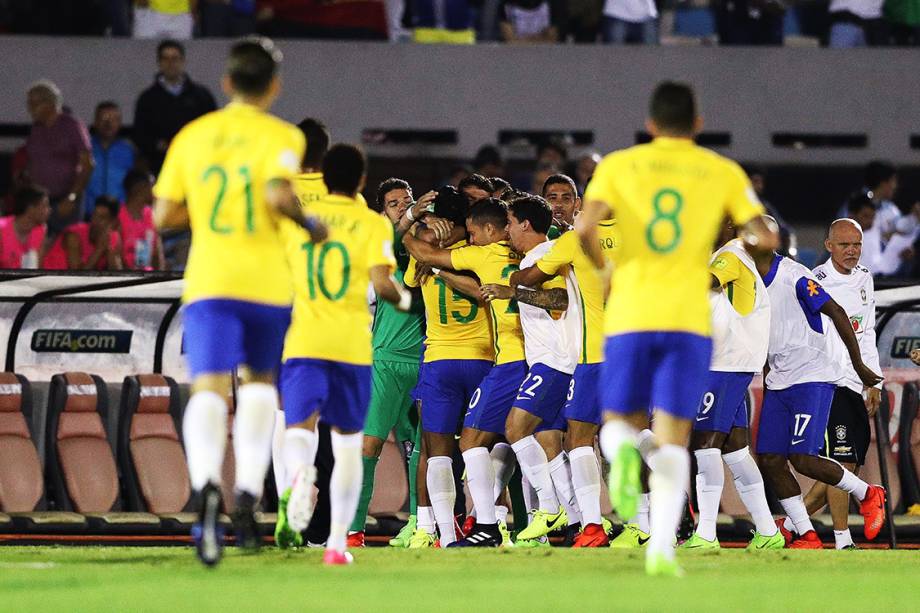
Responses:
[337,558]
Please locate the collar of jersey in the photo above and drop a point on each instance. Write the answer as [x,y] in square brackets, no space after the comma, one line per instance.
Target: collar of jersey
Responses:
[309,176]
[774,266]
[236,105]
[671,142]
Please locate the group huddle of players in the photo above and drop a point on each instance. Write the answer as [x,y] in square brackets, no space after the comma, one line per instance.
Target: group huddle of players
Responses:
[544,323]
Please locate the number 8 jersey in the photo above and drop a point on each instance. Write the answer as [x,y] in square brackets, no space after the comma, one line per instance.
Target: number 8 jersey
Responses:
[669,198]
[331,320]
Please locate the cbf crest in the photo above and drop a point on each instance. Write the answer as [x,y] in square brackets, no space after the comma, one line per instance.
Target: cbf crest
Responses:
[841,432]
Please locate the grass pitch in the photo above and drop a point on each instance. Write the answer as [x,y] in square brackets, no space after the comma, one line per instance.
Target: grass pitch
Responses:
[171,579]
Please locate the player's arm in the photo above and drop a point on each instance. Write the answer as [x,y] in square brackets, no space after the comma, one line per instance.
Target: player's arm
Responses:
[388,288]
[531,276]
[414,212]
[280,197]
[170,215]
[845,329]
[594,212]
[554,299]
[426,253]
[723,270]
[870,355]
[464,284]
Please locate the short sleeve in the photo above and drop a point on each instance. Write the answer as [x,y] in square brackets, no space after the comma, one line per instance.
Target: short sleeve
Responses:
[557,282]
[726,268]
[467,258]
[811,295]
[409,279]
[742,203]
[284,161]
[602,186]
[169,185]
[380,250]
[561,253]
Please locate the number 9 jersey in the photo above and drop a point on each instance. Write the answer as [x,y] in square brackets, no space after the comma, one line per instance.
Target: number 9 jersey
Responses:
[669,198]
[331,320]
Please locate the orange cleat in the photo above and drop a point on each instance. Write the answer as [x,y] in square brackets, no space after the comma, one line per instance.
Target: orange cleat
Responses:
[355,539]
[337,558]
[592,536]
[872,508]
[809,540]
[467,526]
[786,533]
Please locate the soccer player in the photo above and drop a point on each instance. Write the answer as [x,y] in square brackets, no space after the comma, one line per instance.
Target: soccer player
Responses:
[669,198]
[847,437]
[805,361]
[228,175]
[475,187]
[740,334]
[326,373]
[560,191]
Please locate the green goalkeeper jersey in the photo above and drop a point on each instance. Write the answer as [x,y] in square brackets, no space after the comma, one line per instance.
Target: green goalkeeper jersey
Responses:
[398,336]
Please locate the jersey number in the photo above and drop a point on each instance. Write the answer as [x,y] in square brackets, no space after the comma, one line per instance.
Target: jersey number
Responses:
[457,316]
[221,173]
[668,217]
[506,272]
[316,269]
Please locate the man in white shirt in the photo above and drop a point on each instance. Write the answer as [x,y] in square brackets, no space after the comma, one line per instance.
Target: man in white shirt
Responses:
[630,22]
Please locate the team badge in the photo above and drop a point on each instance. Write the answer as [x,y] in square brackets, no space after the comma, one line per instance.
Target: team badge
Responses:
[862,294]
[841,432]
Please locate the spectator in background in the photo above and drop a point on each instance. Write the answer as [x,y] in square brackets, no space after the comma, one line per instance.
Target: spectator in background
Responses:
[171,102]
[353,20]
[584,170]
[92,245]
[904,17]
[856,23]
[227,18]
[458,173]
[113,156]
[544,171]
[22,234]
[880,183]
[861,210]
[443,21]
[552,152]
[532,21]
[141,248]
[750,22]
[584,20]
[488,162]
[164,18]
[787,238]
[59,154]
[632,22]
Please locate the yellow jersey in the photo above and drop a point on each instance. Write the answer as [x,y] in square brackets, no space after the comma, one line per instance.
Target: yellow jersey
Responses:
[494,263]
[309,187]
[220,165]
[669,198]
[331,319]
[457,327]
[567,251]
[738,281]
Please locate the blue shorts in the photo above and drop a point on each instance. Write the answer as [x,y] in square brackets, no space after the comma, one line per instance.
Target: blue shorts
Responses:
[416,394]
[543,393]
[723,405]
[492,400]
[340,392]
[446,388]
[582,404]
[644,371]
[794,420]
[220,335]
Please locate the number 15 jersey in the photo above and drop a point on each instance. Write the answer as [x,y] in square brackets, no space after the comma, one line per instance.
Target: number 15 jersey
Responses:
[331,320]
[669,198]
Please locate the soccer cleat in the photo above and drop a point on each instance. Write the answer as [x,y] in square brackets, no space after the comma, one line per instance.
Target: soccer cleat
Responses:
[421,539]
[300,502]
[631,538]
[543,523]
[542,541]
[592,536]
[244,522]
[207,533]
[337,558]
[850,547]
[285,536]
[401,540]
[777,541]
[607,525]
[872,508]
[506,536]
[787,535]
[468,524]
[809,540]
[697,542]
[354,539]
[657,565]
[623,480]
[482,535]
[570,533]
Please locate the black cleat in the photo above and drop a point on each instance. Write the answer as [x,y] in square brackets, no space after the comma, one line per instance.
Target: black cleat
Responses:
[244,522]
[482,535]
[570,533]
[207,533]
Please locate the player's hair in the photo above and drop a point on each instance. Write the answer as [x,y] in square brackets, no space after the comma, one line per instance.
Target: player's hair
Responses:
[252,64]
[105,105]
[556,179]
[27,196]
[169,43]
[511,193]
[135,177]
[877,172]
[317,136]
[673,107]
[489,210]
[476,180]
[499,185]
[534,209]
[108,202]
[389,185]
[343,168]
[858,202]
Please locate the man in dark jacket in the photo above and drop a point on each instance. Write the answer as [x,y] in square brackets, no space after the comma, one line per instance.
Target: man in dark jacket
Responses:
[171,102]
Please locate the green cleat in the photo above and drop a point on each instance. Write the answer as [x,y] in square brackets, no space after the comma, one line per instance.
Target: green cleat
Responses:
[656,565]
[630,538]
[607,525]
[506,536]
[401,540]
[285,536]
[543,523]
[777,541]
[540,541]
[421,539]
[623,481]
[698,543]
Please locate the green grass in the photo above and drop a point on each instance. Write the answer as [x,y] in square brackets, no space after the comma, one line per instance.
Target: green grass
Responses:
[170,579]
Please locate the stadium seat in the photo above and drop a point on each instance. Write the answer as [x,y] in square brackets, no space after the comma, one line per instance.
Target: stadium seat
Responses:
[150,457]
[909,445]
[21,485]
[892,398]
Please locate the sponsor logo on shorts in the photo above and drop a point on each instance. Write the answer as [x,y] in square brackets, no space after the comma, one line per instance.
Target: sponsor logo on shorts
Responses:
[82,341]
[796,442]
[901,346]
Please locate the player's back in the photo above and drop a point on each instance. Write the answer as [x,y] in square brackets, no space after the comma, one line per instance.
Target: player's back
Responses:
[331,320]
[309,187]
[220,165]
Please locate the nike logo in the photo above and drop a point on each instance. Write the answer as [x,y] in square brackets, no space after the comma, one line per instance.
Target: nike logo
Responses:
[796,442]
[702,418]
[643,541]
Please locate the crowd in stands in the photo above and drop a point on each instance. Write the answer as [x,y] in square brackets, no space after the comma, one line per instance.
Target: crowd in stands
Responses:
[835,23]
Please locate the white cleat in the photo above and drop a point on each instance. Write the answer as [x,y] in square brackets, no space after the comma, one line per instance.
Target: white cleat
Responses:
[300,505]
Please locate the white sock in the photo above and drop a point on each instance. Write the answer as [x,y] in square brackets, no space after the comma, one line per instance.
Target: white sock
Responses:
[853,484]
[530,497]
[646,443]
[253,426]
[670,478]
[710,479]
[503,464]
[533,463]
[425,519]
[643,512]
[501,513]
[749,483]
[481,481]
[613,434]
[843,538]
[561,475]
[797,513]
[278,451]
[204,431]
[344,486]
[300,447]
[586,480]
[442,493]
[789,525]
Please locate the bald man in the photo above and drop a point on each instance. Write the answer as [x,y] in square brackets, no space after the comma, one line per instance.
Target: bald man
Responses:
[847,440]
